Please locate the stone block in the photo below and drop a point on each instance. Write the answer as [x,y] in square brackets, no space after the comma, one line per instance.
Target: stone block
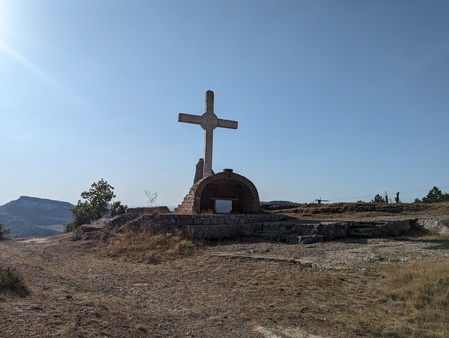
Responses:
[395,228]
[309,239]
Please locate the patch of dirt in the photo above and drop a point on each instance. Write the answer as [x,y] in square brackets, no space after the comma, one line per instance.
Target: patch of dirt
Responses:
[248,288]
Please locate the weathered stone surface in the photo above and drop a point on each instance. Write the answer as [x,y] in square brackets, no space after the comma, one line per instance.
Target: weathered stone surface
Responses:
[199,171]
[364,232]
[332,230]
[378,228]
[206,226]
[395,228]
[310,239]
[134,213]
[216,231]
[274,227]
[435,225]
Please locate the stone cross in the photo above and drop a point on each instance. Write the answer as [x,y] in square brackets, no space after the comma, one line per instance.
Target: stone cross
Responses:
[208,121]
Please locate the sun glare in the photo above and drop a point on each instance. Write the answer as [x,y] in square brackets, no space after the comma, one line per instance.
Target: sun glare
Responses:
[41,74]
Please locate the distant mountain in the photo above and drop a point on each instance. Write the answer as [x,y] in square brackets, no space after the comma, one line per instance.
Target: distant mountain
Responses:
[32,216]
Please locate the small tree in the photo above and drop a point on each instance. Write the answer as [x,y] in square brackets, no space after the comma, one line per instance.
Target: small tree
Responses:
[96,206]
[378,199]
[435,195]
[151,198]
[117,208]
[3,231]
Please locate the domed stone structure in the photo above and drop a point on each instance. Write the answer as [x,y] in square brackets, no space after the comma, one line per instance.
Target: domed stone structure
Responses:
[226,187]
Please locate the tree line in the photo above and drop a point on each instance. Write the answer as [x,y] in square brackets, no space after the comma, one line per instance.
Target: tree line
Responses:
[435,195]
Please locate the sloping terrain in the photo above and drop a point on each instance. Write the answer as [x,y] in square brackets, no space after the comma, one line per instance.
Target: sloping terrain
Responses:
[247,288]
[251,289]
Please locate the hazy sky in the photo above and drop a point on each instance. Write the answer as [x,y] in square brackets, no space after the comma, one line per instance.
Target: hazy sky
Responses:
[335,99]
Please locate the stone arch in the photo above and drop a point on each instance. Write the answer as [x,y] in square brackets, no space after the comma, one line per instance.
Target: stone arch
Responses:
[226,185]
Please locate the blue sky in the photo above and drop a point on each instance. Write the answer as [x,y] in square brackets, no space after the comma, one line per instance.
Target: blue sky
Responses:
[335,99]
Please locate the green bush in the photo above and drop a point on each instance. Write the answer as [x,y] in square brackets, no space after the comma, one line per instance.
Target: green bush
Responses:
[378,199]
[3,231]
[12,281]
[97,204]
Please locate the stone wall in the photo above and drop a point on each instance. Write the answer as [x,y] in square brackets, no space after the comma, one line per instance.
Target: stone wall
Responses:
[275,227]
[205,226]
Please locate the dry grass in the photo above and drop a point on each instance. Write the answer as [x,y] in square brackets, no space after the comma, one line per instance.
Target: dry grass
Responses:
[412,301]
[390,300]
[147,246]
[13,282]
[409,301]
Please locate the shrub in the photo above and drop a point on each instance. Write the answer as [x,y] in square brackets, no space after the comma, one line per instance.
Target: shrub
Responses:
[12,281]
[3,231]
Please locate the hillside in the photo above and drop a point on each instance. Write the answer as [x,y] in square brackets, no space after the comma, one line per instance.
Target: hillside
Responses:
[32,216]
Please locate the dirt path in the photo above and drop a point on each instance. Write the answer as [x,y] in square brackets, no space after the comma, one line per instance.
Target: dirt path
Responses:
[251,289]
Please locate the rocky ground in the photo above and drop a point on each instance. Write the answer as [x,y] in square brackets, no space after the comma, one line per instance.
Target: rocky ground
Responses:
[249,288]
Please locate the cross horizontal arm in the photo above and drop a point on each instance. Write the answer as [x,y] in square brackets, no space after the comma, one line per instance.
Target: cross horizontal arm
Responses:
[187,118]
[227,124]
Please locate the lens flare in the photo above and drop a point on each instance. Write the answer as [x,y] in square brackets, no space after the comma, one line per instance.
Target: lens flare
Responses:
[44,77]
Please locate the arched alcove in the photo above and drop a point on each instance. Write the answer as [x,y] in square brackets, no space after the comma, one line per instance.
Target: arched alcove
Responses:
[224,186]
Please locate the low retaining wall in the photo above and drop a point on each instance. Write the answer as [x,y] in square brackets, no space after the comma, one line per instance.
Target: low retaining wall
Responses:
[273,226]
[205,226]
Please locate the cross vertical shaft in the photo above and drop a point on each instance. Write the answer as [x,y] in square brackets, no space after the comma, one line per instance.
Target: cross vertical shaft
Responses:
[209,127]
[208,146]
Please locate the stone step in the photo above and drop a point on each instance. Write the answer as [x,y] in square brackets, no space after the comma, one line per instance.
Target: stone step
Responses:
[278,236]
[309,239]
[355,225]
[363,232]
